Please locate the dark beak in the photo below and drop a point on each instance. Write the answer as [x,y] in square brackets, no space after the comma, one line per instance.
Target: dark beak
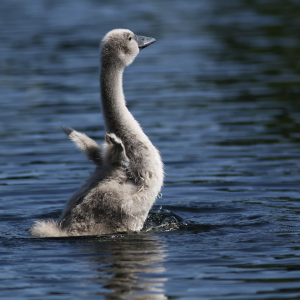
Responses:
[144,41]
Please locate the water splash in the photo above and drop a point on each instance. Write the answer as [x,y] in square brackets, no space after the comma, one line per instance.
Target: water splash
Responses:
[163,219]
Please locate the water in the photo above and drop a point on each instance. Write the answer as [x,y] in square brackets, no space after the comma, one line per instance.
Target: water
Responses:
[218,94]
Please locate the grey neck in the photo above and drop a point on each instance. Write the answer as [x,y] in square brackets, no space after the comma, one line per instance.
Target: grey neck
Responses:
[117,117]
[113,102]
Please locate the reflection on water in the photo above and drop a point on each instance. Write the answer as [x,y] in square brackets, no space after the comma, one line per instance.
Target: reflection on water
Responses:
[218,94]
[127,268]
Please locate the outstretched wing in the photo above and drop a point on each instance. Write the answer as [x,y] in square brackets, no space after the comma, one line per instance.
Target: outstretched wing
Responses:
[87,145]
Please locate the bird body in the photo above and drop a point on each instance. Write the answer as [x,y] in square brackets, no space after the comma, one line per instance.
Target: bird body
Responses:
[129,172]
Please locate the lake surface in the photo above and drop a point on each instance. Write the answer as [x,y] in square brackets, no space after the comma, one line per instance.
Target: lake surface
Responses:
[218,94]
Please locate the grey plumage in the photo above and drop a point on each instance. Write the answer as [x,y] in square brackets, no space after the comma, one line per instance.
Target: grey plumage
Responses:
[129,172]
[85,144]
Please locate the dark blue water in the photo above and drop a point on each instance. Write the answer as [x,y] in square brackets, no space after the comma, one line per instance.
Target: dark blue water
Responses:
[218,94]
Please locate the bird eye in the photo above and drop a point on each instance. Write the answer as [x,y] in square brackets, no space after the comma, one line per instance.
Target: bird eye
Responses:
[130,38]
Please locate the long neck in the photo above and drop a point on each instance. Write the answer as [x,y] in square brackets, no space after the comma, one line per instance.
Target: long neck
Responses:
[117,117]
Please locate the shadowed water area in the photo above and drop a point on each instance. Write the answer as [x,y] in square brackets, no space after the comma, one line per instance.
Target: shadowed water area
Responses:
[218,94]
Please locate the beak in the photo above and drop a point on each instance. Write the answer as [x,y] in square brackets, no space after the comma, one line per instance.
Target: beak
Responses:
[144,41]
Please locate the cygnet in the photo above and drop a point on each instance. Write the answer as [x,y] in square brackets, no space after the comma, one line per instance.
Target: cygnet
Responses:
[129,172]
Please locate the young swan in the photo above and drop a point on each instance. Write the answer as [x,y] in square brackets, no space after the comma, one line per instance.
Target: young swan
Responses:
[129,172]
